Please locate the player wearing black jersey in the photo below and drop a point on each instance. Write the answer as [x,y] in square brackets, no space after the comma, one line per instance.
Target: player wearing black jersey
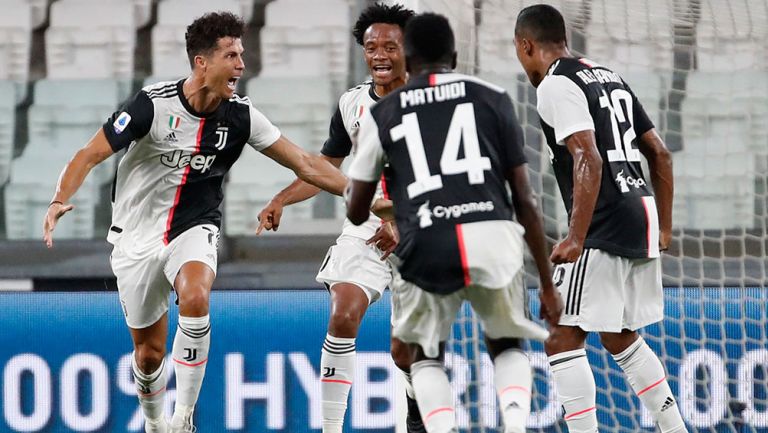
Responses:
[356,270]
[453,143]
[609,271]
[180,140]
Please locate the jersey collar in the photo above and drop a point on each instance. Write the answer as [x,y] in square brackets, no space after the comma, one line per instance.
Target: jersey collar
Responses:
[372,92]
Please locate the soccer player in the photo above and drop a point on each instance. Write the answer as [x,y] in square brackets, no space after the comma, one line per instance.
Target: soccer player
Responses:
[609,269]
[180,140]
[355,269]
[453,143]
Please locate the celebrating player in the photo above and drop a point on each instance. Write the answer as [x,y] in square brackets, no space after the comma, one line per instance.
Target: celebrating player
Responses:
[452,143]
[610,271]
[355,270]
[181,138]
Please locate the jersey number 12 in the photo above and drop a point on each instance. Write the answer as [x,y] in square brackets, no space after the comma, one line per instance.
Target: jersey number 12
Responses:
[616,108]
[461,129]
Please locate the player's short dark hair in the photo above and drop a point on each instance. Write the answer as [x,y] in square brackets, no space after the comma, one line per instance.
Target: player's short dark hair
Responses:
[543,23]
[204,33]
[381,14]
[429,38]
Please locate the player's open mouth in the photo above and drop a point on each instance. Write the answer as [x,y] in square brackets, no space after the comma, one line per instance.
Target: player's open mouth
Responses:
[382,70]
[232,83]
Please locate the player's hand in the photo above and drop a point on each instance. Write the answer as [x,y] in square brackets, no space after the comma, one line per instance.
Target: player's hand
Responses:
[567,251]
[269,217]
[385,239]
[383,208]
[55,211]
[551,305]
[665,239]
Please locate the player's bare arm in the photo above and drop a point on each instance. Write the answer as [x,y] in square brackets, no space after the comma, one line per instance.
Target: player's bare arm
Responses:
[587,173]
[660,164]
[359,195]
[526,209]
[297,191]
[72,176]
[310,168]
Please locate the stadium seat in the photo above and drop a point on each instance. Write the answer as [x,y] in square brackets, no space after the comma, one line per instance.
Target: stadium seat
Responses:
[27,196]
[142,9]
[735,30]
[66,113]
[725,124]
[7,127]
[90,39]
[313,43]
[300,107]
[628,35]
[169,56]
[16,34]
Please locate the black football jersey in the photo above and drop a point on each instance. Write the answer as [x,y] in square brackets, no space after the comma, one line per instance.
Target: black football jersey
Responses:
[448,140]
[577,95]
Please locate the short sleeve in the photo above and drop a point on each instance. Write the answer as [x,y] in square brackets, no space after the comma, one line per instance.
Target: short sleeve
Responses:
[263,132]
[132,122]
[338,144]
[511,133]
[563,106]
[640,120]
[369,158]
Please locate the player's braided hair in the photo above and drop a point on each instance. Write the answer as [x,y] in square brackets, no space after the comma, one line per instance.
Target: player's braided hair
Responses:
[203,34]
[382,14]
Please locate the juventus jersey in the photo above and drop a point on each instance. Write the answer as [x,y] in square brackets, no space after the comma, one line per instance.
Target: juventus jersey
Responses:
[448,140]
[578,95]
[342,139]
[170,178]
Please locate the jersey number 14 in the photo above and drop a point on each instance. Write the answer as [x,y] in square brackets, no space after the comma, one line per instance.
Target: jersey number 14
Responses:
[461,129]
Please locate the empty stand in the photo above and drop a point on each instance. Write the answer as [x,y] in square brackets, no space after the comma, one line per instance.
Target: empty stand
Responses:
[731,35]
[16,36]
[7,127]
[142,9]
[90,39]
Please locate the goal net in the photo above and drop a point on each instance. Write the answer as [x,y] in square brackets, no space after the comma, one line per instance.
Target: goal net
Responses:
[700,68]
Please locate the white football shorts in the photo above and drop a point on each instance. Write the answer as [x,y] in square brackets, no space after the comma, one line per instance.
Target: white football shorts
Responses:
[425,318]
[144,282]
[350,260]
[607,293]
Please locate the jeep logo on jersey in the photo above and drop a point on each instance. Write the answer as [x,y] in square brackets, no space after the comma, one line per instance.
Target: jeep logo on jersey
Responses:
[426,214]
[180,159]
[626,182]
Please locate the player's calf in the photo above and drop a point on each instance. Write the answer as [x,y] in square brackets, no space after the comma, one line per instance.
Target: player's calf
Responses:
[402,357]
[513,380]
[434,396]
[647,377]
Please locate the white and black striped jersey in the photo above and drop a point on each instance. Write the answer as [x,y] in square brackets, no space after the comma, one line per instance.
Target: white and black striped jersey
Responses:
[449,141]
[342,137]
[579,95]
[170,178]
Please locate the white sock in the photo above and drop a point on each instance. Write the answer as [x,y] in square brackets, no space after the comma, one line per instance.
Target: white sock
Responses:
[190,356]
[646,375]
[337,369]
[513,379]
[434,396]
[576,390]
[150,388]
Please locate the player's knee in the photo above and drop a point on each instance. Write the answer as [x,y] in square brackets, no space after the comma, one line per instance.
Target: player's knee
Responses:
[401,355]
[617,342]
[193,299]
[149,358]
[345,322]
[564,338]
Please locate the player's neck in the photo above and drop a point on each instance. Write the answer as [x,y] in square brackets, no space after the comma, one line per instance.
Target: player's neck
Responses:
[550,55]
[384,90]
[199,97]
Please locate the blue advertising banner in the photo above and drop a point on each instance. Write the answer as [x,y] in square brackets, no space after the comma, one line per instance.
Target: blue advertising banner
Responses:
[65,360]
